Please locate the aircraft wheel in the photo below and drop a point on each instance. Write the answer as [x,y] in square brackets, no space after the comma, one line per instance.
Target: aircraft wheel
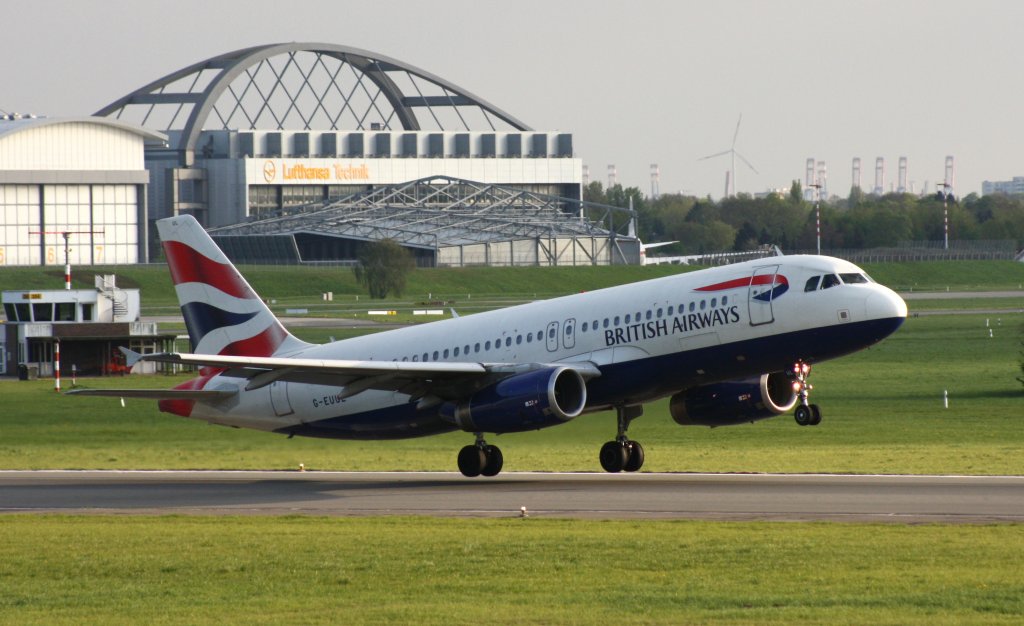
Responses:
[803,415]
[494,461]
[471,461]
[614,456]
[636,456]
[815,415]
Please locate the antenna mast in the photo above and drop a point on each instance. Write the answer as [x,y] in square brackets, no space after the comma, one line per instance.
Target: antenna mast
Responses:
[66,234]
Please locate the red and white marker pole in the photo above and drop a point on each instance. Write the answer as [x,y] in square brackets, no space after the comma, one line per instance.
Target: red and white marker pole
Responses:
[56,365]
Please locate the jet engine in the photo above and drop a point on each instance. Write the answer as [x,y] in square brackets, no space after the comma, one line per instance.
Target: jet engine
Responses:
[734,402]
[527,401]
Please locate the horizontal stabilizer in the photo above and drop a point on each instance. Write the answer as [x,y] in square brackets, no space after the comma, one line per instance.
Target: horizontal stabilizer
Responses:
[200,395]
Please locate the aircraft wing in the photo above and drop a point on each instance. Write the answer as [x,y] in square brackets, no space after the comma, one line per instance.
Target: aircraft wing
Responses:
[443,379]
[202,395]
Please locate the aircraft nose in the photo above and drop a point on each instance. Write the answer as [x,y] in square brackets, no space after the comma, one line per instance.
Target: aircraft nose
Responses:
[885,304]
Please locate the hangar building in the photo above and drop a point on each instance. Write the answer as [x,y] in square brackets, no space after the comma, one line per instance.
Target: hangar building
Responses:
[263,132]
[85,176]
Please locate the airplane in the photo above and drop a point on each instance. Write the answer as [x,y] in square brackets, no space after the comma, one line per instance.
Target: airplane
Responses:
[728,345]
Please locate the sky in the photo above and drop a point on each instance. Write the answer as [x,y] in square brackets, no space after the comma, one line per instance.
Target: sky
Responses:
[636,83]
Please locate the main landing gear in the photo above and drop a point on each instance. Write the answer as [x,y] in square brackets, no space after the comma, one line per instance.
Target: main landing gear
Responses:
[480,459]
[623,454]
[806,414]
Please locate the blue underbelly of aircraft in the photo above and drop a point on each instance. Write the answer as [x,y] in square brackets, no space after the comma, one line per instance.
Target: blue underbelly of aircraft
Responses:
[637,381]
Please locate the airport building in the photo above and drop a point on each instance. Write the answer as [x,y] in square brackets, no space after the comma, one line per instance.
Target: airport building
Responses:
[272,131]
[304,153]
[81,181]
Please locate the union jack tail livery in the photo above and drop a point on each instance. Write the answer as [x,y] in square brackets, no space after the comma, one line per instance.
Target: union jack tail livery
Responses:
[223,314]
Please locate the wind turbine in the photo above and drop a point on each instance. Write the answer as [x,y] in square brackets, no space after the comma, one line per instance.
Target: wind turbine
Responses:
[730,182]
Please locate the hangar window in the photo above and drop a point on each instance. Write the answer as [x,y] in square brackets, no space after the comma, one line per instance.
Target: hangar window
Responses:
[812,283]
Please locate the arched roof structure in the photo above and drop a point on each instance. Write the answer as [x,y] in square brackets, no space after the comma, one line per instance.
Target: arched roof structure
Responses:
[303,86]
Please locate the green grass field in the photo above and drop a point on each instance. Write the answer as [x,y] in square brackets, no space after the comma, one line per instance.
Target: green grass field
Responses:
[883,414]
[300,570]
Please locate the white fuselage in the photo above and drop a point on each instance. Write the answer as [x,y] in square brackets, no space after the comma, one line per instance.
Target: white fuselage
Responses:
[648,339]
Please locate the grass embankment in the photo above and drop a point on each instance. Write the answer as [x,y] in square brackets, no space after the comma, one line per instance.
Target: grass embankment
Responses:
[480,287]
[224,570]
[883,412]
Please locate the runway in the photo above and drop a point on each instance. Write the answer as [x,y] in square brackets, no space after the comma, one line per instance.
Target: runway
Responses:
[901,499]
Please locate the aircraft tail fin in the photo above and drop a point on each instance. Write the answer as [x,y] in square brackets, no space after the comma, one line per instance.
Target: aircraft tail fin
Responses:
[222,313]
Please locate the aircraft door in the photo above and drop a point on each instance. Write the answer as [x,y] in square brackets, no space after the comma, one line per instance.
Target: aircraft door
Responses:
[569,333]
[551,334]
[279,399]
[759,300]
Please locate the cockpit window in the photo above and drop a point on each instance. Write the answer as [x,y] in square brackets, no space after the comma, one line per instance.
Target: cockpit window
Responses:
[853,278]
[831,280]
[812,283]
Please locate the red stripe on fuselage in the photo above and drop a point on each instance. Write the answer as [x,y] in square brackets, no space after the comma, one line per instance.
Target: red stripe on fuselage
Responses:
[189,266]
[748,281]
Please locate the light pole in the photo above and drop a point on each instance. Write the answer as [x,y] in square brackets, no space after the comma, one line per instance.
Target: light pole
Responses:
[945,214]
[817,212]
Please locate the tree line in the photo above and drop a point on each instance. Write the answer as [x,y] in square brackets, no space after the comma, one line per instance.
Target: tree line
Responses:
[743,222]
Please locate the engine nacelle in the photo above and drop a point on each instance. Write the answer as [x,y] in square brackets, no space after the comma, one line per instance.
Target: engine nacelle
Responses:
[528,401]
[734,402]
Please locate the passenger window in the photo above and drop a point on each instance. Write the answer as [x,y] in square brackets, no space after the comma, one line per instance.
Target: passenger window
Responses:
[659,313]
[606,322]
[404,359]
[812,283]
[714,302]
[435,355]
[568,329]
[725,300]
[703,304]
[627,317]
[551,333]
[650,314]
[476,347]
[426,357]
[487,346]
[466,351]
[415,358]
[508,341]
[519,339]
[595,325]
[446,353]
[616,320]
[670,309]
[529,337]
[692,307]
[584,327]
[831,280]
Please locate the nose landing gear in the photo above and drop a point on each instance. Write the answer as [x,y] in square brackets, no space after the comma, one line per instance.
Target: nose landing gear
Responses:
[806,414]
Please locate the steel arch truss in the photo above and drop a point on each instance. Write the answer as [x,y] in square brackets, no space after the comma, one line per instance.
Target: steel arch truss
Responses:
[441,211]
[303,86]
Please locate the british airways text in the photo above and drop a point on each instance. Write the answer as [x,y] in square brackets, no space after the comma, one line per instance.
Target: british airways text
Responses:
[680,324]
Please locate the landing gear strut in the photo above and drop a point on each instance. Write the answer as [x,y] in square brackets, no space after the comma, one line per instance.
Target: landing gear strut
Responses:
[623,454]
[480,459]
[806,414]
